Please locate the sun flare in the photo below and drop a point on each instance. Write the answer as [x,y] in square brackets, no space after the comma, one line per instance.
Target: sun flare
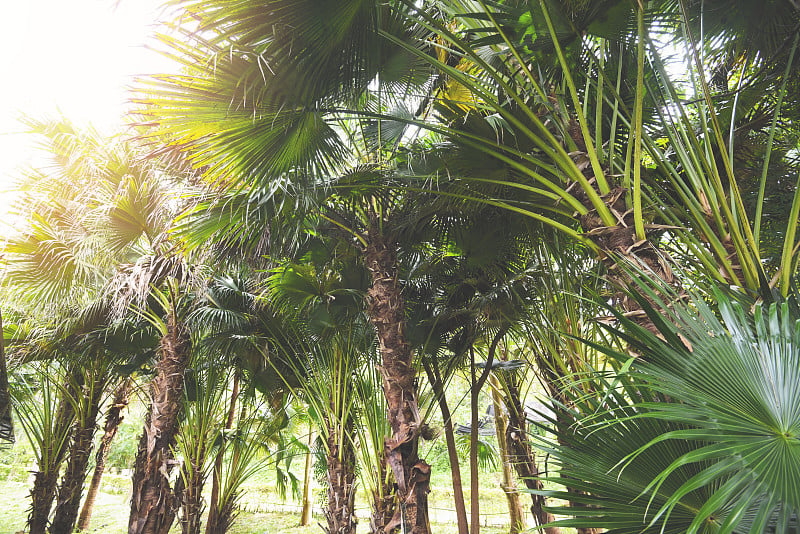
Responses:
[75,59]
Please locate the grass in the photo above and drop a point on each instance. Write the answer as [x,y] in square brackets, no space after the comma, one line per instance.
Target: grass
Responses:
[111,511]
[111,516]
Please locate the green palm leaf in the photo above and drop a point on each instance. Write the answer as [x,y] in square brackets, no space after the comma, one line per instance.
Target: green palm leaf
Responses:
[703,435]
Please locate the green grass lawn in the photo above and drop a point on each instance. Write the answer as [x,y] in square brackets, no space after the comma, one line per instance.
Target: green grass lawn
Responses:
[111,516]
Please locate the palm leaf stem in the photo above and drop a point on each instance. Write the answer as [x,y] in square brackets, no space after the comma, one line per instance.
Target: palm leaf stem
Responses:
[762,185]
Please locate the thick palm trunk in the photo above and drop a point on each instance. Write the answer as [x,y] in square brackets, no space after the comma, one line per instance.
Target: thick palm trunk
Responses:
[113,420]
[69,493]
[341,477]
[153,503]
[305,514]
[45,480]
[212,523]
[618,244]
[386,311]
[435,379]
[509,486]
[42,495]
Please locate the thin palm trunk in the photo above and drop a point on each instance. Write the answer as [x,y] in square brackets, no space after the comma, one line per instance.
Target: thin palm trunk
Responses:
[6,424]
[226,510]
[113,420]
[522,456]
[212,523]
[305,515]
[45,480]
[341,477]
[386,310]
[71,488]
[191,496]
[435,379]
[153,504]
[509,486]
[474,497]
[477,384]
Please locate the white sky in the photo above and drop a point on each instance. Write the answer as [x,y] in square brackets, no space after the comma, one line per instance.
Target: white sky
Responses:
[70,57]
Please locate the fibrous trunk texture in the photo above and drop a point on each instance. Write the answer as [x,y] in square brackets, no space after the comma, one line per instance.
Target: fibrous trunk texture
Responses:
[522,456]
[6,424]
[46,478]
[213,525]
[69,493]
[383,501]
[341,476]
[153,503]
[618,244]
[386,311]
[437,385]
[509,486]
[191,497]
[113,420]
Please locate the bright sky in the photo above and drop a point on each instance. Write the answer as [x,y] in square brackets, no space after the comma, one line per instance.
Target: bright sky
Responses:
[74,57]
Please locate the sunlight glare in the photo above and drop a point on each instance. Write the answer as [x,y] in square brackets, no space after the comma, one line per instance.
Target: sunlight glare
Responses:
[76,59]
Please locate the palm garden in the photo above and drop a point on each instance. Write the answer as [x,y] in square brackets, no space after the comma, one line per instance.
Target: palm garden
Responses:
[338,213]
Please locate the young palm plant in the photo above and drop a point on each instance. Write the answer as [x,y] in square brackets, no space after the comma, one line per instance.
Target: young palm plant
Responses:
[46,413]
[701,433]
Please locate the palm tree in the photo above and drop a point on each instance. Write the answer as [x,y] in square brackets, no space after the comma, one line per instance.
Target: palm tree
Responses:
[47,416]
[202,421]
[63,258]
[334,346]
[154,503]
[296,152]
[93,388]
[241,329]
[562,169]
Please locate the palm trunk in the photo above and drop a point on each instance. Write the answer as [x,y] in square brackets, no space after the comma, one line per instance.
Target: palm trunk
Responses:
[477,384]
[383,502]
[437,385]
[6,423]
[340,513]
[522,456]
[191,496]
[305,515]
[212,523]
[45,480]
[386,310]
[509,486]
[113,419]
[153,503]
[69,493]
[618,244]
[226,511]
[474,495]
[42,495]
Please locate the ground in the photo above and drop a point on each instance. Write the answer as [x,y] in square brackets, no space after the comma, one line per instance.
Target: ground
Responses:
[111,514]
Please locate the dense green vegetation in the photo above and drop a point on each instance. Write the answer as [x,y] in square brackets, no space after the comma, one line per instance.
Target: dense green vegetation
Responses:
[340,209]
